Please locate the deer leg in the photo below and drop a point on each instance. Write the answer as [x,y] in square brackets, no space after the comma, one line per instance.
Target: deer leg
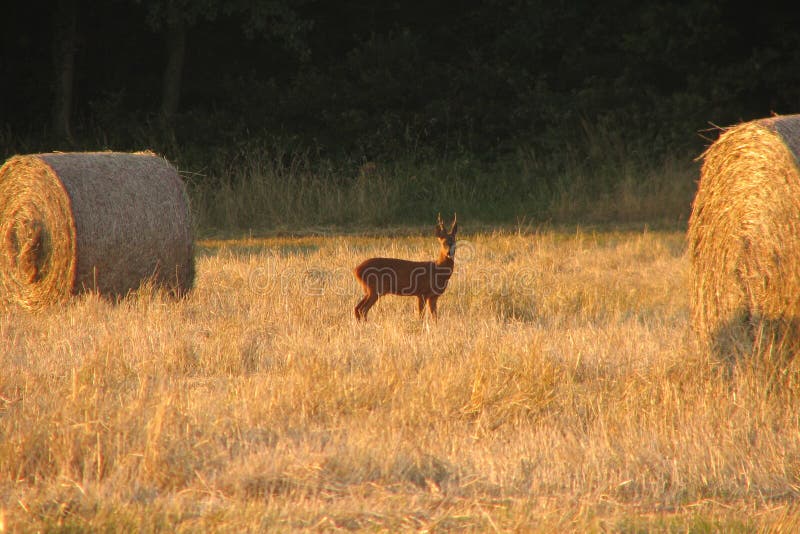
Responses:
[432,305]
[421,305]
[366,303]
[359,306]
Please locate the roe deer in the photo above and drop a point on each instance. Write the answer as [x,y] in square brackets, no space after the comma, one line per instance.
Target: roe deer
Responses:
[425,280]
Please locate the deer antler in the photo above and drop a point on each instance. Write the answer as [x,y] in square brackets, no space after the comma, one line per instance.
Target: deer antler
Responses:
[441,222]
[454,223]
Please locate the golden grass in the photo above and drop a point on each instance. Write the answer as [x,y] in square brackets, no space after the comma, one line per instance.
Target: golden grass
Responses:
[559,390]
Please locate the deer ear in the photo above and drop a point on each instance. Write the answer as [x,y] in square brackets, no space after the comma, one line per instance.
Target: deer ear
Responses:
[439,226]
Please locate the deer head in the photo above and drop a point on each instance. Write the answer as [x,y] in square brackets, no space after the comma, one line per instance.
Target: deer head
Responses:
[447,239]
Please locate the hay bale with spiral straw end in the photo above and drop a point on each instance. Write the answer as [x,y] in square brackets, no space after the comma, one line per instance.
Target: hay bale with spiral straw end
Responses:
[744,237]
[95,221]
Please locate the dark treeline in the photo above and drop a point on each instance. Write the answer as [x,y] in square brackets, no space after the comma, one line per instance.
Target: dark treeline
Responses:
[366,80]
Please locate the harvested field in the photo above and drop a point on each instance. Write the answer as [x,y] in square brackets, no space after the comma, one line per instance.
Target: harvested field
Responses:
[561,389]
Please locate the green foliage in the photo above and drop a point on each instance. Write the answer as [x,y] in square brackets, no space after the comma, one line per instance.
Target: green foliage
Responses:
[272,18]
[373,81]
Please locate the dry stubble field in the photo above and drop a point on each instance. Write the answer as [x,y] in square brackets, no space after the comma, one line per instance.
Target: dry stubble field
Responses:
[561,389]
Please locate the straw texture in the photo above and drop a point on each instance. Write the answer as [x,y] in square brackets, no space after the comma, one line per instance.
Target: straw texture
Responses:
[744,235]
[104,221]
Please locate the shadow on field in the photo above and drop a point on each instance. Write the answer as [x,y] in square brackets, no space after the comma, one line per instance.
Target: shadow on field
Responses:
[247,250]
[746,337]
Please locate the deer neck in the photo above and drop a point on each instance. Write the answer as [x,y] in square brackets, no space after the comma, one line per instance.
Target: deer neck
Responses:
[444,261]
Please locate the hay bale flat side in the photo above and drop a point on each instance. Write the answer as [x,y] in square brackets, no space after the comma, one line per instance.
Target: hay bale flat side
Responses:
[104,221]
[744,234]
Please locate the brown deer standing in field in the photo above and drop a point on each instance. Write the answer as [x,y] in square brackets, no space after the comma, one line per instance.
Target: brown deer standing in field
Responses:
[425,280]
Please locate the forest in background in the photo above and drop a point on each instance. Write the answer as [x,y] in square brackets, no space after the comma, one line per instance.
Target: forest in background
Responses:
[491,97]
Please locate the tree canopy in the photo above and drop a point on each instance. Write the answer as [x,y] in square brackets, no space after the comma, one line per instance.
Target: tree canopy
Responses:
[369,79]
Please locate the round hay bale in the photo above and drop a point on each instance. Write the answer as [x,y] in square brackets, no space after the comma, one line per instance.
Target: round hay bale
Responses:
[96,221]
[744,235]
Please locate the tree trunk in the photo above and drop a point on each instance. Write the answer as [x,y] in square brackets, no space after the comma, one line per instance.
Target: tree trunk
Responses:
[64,47]
[175,41]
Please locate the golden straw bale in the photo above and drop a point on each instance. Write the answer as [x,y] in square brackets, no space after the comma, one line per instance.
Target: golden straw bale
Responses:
[96,221]
[744,235]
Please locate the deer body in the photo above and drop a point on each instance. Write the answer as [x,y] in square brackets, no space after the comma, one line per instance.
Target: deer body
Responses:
[426,280]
